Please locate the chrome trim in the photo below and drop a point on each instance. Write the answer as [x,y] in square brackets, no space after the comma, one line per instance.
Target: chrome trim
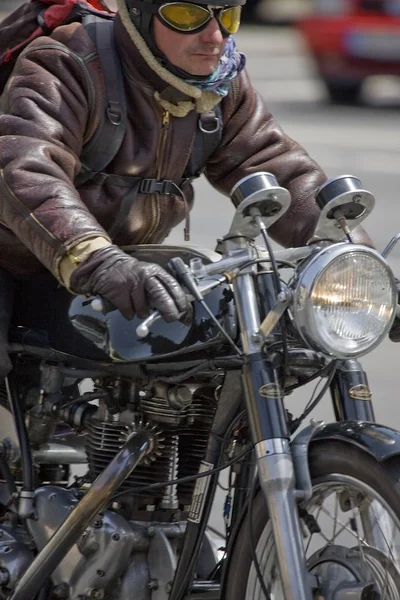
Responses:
[277,479]
[302,310]
[247,310]
[256,190]
[273,446]
[62,452]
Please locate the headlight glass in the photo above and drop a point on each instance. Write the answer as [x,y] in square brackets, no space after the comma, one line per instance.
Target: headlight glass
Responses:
[345,301]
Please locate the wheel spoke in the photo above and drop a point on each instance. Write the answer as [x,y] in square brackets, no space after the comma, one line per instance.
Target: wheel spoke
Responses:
[353,537]
[377,522]
[343,526]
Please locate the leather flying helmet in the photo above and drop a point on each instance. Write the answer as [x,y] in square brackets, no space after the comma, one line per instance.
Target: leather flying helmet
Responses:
[184,17]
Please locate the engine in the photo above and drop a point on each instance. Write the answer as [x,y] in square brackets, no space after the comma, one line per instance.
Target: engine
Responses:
[135,543]
[179,419]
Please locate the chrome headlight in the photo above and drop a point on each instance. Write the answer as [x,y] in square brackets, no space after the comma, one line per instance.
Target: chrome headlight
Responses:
[344,300]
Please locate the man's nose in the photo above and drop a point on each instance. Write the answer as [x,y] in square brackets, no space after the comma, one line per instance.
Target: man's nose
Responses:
[212,33]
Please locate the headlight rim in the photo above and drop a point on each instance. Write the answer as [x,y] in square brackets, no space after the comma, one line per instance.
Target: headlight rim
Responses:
[306,280]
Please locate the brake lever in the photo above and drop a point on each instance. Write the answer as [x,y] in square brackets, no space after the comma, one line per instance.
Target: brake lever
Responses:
[143,329]
[104,306]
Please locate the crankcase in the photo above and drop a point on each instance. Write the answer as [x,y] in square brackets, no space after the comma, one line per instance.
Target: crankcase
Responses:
[101,554]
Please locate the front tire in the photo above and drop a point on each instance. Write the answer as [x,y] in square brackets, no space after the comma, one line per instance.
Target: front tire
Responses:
[368,496]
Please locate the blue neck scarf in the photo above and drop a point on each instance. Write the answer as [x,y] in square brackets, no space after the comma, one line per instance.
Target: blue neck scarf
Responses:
[230,65]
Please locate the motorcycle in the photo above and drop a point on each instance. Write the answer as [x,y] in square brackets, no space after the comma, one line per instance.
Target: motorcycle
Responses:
[106,491]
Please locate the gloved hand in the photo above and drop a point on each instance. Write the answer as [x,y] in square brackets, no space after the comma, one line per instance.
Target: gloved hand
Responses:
[133,286]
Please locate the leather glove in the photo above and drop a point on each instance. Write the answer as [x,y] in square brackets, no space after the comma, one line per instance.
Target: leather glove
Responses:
[133,286]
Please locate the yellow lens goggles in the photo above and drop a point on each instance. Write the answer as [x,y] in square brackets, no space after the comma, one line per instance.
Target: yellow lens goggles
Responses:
[188,18]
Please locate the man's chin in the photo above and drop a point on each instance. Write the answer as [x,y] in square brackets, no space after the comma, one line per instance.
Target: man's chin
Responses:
[203,68]
[202,72]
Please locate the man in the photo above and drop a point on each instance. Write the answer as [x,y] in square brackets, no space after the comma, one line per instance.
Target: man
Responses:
[179,60]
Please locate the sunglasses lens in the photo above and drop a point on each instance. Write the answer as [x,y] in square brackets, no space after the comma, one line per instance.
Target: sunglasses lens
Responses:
[184,16]
[230,18]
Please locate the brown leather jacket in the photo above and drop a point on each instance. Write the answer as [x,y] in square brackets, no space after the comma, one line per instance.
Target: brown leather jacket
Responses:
[52,106]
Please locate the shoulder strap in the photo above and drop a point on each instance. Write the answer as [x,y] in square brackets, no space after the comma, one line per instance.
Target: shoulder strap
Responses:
[106,141]
[207,137]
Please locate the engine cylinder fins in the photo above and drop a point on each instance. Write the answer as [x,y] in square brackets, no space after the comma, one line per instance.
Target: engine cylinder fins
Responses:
[176,407]
[188,429]
[191,452]
[106,438]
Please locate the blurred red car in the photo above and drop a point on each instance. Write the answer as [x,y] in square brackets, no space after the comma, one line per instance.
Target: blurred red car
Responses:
[351,40]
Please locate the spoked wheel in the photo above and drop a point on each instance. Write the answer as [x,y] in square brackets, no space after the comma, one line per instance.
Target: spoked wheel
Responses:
[351,529]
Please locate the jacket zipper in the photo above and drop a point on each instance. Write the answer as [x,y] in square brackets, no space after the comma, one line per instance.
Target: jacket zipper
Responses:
[155,206]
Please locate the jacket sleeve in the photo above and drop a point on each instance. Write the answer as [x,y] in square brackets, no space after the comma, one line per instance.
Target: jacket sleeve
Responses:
[253,141]
[44,122]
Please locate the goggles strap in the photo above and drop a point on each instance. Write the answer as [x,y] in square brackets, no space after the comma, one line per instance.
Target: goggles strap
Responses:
[145,6]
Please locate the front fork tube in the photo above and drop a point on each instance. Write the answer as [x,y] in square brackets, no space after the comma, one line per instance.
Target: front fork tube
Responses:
[352,401]
[264,400]
[268,426]
[351,395]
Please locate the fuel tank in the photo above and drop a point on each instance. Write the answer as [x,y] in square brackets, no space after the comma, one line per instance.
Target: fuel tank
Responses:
[47,315]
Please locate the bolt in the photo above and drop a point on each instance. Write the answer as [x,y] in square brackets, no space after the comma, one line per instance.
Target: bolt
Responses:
[175,517]
[60,592]
[116,537]
[256,338]
[98,523]
[357,198]
[52,497]
[153,584]
[97,594]
[100,572]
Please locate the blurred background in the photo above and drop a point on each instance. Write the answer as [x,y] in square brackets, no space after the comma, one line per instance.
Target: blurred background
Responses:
[329,72]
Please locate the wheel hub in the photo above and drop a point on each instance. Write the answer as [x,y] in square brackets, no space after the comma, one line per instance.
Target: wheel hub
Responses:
[359,573]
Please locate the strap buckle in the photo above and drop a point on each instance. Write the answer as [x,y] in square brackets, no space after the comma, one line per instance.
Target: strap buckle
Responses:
[156,186]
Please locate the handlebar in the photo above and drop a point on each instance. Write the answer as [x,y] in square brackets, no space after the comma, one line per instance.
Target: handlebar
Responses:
[215,274]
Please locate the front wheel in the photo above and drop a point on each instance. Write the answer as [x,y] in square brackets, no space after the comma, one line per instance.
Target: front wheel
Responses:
[351,528]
